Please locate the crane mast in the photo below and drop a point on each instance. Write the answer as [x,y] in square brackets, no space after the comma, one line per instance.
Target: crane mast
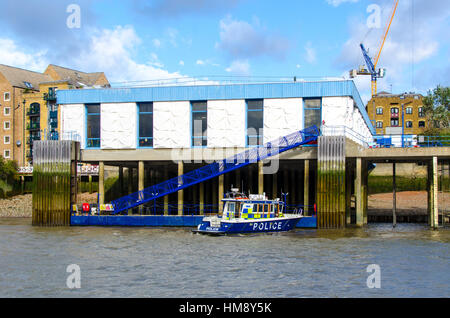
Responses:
[372,65]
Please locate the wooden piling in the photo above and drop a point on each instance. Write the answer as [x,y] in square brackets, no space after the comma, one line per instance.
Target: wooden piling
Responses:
[54,182]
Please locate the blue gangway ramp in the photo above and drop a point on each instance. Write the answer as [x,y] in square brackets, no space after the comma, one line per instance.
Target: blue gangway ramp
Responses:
[217,168]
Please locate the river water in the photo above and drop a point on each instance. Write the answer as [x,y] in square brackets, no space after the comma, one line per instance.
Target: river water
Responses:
[172,262]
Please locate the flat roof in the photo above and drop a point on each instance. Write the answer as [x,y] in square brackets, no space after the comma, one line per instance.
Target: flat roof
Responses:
[217,92]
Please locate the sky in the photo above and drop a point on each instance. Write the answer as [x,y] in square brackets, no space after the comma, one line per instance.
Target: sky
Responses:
[136,42]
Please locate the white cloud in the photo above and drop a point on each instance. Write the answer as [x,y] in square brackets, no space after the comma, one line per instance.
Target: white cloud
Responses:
[310,53]
[156,43]
[239,67]
[336,3]
[10,54]
[181,63]
[200,62]
[242,40]
[111,51]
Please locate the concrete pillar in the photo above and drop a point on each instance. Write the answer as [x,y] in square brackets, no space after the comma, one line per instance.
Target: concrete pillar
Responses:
[260,177]
[166,197]
[220,193]
[101,183]
[359,193]
[306,187]
[141,178]
[433,193]
[181,192]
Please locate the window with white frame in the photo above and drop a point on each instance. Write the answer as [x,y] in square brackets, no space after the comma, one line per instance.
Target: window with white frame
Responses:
[6,111]
[379,124]
[379,110]
[6,97]
[6,154]
[6,125]
[409,110]
[409,124]
[6,140]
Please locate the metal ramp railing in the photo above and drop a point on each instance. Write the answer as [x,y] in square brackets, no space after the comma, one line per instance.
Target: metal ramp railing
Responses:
[215,169]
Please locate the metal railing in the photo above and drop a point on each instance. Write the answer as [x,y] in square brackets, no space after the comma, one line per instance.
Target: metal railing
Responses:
[346,132]
[410,141]
[215,169]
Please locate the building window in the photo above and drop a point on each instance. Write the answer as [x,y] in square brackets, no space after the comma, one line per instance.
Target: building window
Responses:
[255,122]
[409,124]
[379,124]
[145,111]
[409,110]
[421,124]
[6,154]
[394,110]
[6,97]
[93,126]
[199,123]
[6,125]
[421,112]
[6,140]
[379,110]
[394,122]
[313,112]
[7,111]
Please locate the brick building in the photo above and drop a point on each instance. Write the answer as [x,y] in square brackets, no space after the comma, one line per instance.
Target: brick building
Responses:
[393,114]
[28,105]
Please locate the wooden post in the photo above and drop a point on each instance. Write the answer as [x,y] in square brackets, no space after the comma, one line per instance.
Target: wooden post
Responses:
[433,193]
[101,183]
[220,193]
[130,186]
[359,194]
[306,187]
[260,177]
[120,181]
[348,193]
[166,197]
[202,198]
[141,176]
[394,198]
[181,192]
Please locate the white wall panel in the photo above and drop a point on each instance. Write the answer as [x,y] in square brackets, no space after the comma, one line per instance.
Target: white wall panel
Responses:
[118,126]
[73,119]
[282,117]
[226,123]
[172,124]
[337,111]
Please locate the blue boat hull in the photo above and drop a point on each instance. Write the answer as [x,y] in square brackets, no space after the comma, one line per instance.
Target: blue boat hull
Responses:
[254,226]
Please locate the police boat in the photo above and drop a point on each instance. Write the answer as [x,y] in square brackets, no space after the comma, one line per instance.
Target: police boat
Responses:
[249,214]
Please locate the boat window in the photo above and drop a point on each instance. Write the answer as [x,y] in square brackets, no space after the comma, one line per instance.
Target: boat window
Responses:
[272,208]
[266,208]
[231,207]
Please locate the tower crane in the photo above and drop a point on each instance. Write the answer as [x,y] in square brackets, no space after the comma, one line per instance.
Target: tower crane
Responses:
[372,63]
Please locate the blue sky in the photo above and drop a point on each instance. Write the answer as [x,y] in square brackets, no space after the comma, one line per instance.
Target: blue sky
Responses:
[141,40]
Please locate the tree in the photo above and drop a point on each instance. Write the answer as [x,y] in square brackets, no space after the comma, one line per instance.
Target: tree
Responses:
[436,106]
[8,170]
